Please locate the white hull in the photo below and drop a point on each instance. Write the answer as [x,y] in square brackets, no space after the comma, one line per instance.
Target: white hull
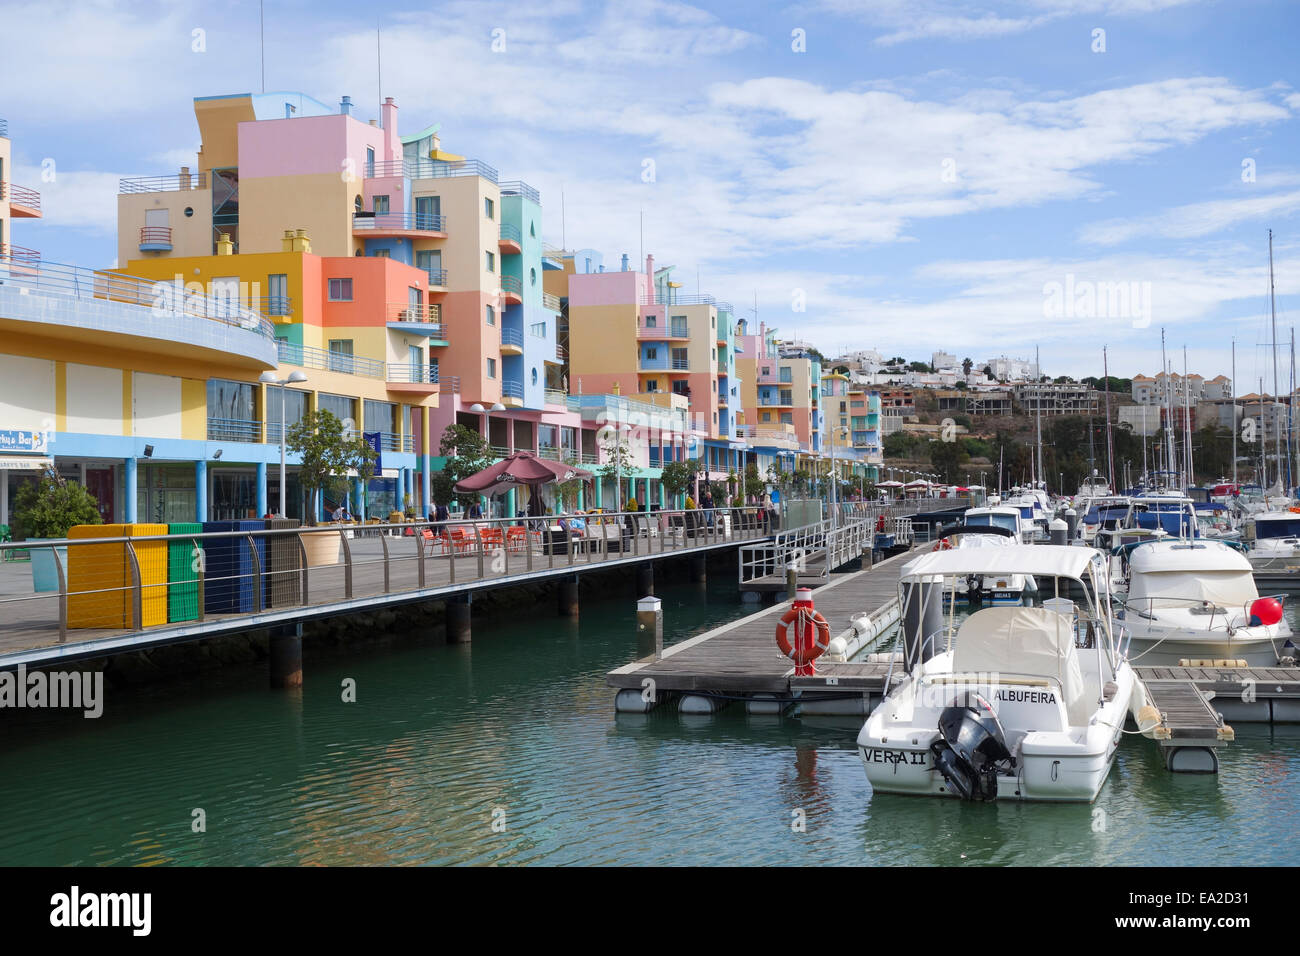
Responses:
[1165,648]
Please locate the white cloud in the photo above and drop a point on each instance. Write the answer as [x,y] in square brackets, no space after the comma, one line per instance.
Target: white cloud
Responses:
[1195,220]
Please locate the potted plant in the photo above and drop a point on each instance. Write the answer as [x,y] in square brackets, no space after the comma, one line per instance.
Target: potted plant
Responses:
[328,452]
[44,511]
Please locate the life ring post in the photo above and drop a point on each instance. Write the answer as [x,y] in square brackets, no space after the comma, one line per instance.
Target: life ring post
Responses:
[812,634]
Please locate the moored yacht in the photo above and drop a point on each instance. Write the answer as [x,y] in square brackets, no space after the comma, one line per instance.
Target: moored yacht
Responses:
[985,528]
[1021,703]
[1197,600]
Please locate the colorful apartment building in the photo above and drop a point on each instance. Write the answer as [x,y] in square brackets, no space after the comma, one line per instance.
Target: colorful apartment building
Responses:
[16,202]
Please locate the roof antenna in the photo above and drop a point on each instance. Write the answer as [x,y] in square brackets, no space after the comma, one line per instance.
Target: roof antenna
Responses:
[261,29]
[564,244]
[379,65]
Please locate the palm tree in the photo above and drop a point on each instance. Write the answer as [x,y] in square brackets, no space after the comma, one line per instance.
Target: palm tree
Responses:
[966,365]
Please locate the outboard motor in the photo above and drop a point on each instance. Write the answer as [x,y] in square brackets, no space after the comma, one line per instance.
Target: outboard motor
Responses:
[971,750]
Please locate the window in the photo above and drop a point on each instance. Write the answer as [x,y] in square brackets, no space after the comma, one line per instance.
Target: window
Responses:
[379,204]
[680,360]
[277,299]
[489,208]
[651,354]
[767,416]
[534,376]
[233,401]
[651,321]
[490,261]
[381,253]
[842,407]
[342,407]
[532,231]
[538,329]
[340,290]
[679,326]
[341,355]
[491,368]
[681,386]
[652,385]
[787,418]
[786,374]
[370,161]
[380,416]
[430,261]
[532,277]
[713,322]
[489,315]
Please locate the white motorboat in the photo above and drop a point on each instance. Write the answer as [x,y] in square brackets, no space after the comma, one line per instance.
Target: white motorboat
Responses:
[1035,511]
[1021,703]
[995,527]
[1276,544]
[1197,600]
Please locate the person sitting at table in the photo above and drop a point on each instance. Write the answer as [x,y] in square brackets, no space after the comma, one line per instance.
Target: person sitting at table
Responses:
[476,510]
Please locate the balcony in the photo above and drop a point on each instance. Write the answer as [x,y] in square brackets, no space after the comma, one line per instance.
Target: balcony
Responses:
[234,429]
[552,257]
[16,259]
[413,225]
[512,342]
[275,306]
[512,290]
[113,310]
[430,169]
[418,320]
[24,203]
[512,393]
[305,356]
[681,364]
[392,441]
[551,302]
[176,182]
[776,402]
[437,281]
[155,239]
[766,376]
[517,188]
[4,128]
[653,299]
[556,397]
[509,241]
[660,333]
[407,377]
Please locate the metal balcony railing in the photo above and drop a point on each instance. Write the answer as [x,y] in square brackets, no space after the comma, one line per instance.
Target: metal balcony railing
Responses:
[20,195]
[274,305]
[556,397]
[512,388]
[4,128]
[306,356]
[517,188]
[404,373]
[550,301]
[234,429]
[553,252]
[681,365]
[512,337]
[391,441]
[175,182]
[510,233]
[19,255]
[394,221]
[431,169]
[158,297]
[156,236]
[510,285]
[652,299]
[437,279]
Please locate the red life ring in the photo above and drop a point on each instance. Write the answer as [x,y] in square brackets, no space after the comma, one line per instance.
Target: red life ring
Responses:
[809,651]
[943,544]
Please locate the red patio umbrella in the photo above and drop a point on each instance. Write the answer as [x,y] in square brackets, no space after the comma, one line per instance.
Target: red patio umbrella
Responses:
[523,468]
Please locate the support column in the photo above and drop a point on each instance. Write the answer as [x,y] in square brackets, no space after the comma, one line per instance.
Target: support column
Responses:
[510,503]
[426,464]
[567,597]
[4,496]
[699,569]
[201,491]
[661,494]
[458,626]
[645,579]
[582,496]
[286,655]
[130,492]
[650,626]
[261,489]
[358,500]
[597,488]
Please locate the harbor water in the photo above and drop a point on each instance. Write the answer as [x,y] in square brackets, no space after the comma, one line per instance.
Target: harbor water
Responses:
[508,751]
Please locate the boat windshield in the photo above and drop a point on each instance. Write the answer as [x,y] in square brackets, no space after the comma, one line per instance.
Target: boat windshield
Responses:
[1277,528]
[993,520]
[1178,523]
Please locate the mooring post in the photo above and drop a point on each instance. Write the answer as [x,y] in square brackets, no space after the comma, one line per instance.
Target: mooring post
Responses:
[699,569]
[645,578]
[568,597]
[791,582]
[458,628]
[650,624]
[866,557]
[286,655]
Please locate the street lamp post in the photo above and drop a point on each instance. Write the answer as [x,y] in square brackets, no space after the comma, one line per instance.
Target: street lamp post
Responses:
[296,377]
[478,409]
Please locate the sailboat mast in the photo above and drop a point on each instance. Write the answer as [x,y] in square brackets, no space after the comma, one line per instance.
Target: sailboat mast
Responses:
[1038,375]
[1272,304]
[1110,450]
[1187,423]
[1169,408]
[1290,397]
[1234,411]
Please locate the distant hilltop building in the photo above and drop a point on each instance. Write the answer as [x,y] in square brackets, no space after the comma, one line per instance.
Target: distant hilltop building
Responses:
[943,360]
[1195,388]
[1010,370]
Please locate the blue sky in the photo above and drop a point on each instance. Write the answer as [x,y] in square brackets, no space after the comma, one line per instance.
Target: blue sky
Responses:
[919,175]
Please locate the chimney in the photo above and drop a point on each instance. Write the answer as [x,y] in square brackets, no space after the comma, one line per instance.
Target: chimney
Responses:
[650,266]
[624,269]
[392,145]
[300,241]
[224,246]
[345,106]
[286,241]
[185,177]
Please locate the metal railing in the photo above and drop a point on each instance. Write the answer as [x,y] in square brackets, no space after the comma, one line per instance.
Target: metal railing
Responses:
[392,441]
[156,235]
[4,128]
[512,337]
[517,188]
[511,285]
[161,298]
[307,356]
[437,278]
[234,429]
[175,182]
[398,221]
[555,396]
[652,299]
[19,255]
[248,573]
[681,365]
[553,252]
[512,388]
[431,169]
[408,374]
[550,301]
[274,304]
[510,233]
[430,314]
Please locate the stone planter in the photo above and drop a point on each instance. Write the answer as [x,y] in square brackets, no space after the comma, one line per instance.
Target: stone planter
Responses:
[322,547]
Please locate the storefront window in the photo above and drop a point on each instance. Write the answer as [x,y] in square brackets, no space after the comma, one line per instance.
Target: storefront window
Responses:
[165,494]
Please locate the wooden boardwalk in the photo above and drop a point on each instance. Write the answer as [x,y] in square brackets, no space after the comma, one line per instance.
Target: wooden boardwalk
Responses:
[742,657]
